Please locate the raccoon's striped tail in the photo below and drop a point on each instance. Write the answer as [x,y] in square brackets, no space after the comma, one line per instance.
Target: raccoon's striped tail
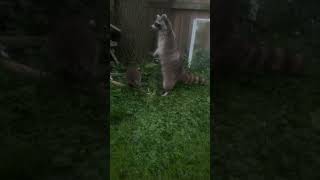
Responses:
[189,78]
[274,60]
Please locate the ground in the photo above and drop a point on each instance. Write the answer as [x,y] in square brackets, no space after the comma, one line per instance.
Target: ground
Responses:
[160,137]
[265,127]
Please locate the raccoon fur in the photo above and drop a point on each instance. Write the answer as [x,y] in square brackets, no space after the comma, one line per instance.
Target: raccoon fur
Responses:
[240,55]
[133,75]
[170,58]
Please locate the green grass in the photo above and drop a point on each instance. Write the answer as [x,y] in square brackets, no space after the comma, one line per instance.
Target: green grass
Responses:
[155,137]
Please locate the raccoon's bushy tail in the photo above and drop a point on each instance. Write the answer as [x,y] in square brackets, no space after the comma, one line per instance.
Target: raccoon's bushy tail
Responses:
[273,59]
[251,57]
[189,78]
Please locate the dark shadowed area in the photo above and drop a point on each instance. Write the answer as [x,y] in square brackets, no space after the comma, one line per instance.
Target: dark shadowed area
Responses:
[53,104]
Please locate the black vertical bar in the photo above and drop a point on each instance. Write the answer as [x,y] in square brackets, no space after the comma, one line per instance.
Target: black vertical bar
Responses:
[102,25]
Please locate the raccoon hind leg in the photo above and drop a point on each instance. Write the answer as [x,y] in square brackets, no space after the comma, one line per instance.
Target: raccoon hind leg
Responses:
[167,86]
[165,93]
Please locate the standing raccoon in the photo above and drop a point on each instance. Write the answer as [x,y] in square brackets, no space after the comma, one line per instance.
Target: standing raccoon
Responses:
[170,59]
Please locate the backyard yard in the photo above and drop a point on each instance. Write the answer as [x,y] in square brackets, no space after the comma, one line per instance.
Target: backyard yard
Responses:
[160,137]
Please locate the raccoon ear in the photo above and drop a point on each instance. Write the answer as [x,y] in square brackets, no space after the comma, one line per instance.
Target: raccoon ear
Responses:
[158,16]
[166,20]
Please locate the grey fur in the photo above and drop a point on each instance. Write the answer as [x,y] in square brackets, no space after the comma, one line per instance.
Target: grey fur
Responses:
[167,50]
[170,57]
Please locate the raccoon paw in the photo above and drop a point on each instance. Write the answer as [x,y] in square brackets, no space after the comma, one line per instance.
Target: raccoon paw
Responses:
[165,93]
[155,54]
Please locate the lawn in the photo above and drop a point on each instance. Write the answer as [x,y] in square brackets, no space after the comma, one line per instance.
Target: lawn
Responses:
[155,137]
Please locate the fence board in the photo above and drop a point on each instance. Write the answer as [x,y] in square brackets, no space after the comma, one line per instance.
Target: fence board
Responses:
[136,16]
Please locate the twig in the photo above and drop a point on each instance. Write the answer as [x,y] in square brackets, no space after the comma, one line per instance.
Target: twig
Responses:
[115,28]
[22,40]
[116,74]
[117,83]
[114,56]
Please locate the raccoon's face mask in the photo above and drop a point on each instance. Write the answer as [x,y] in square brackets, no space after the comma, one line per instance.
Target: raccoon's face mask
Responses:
[160,23]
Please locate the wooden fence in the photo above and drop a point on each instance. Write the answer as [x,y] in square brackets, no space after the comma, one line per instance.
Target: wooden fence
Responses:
[135,17]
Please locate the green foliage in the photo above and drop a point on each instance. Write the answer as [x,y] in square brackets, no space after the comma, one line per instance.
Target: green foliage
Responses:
[152,76]
[201,62]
